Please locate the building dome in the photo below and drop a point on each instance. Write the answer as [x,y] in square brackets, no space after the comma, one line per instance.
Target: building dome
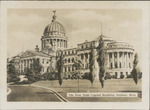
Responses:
[54,26]
[54,36]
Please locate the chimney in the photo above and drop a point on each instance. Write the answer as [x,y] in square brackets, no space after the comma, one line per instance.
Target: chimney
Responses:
[37,48]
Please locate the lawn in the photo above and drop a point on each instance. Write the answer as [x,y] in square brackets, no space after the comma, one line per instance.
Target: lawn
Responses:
[112,85]
[29,93]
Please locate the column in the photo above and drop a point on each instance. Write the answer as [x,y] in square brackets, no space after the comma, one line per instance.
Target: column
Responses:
[123,60]
[127,60]
[64,43]
[42,44]
[88,59]
[132,60]
[118,60]
[57,43]
[108,60]
[60,43]
[112,60]
[70,68]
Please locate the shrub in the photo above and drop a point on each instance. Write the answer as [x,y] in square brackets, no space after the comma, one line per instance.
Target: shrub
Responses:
[86,75]
[121,76]
[108,76]
[130,76]
[16,80]
[24,82]
[140,75]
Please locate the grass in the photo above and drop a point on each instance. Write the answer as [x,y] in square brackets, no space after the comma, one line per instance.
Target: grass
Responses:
[113,85]
[30,94]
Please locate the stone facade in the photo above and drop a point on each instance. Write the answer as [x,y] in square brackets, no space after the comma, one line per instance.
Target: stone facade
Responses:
[54,42]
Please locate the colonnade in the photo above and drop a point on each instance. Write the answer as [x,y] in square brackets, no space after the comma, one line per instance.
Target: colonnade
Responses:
[69,68]
[120,59]
[85,58]
[25,63]
[58,43]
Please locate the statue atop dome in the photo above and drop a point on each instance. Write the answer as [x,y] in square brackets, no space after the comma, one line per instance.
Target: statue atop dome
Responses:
[54,16]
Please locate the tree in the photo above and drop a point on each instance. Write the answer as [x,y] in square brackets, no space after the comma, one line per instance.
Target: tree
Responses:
[135,70]
[36,67]
[60,64]
[12,74]
[29,74]
[92,66]
[34,72]
[79,66]
[102,61]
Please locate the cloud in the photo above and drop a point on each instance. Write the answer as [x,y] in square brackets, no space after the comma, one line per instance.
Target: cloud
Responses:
[84,15]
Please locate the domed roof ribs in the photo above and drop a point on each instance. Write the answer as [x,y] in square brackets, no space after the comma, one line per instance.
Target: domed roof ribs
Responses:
[54,26]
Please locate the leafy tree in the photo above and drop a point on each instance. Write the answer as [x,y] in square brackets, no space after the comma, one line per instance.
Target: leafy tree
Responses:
[60,64]
[135,70]
[79,66]
[29,74]
[102,61]
[12,74]
[92,66]
[36,67]
[33,73]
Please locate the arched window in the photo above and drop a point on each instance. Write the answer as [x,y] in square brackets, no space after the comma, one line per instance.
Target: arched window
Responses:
[72,59]
[65,60]
[86,45]
[72,68]
[68,60]
[82,46]
[68,68]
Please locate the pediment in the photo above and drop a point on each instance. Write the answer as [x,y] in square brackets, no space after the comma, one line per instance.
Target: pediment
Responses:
[27,54]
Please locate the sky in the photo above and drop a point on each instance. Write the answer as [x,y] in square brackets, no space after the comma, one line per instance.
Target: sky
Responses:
[26,26]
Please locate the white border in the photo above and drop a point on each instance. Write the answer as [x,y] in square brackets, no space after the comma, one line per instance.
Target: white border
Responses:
[75,5]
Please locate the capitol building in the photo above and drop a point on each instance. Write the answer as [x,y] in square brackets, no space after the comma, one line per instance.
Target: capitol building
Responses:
[54,42]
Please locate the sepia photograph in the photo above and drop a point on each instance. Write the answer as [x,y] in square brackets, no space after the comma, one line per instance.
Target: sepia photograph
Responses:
[75,55]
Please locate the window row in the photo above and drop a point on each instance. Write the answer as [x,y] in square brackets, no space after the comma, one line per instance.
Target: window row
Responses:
[69,60]
[87,45]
